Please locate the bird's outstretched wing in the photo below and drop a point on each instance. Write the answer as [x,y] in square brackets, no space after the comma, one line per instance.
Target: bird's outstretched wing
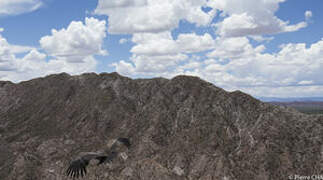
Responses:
[78,167]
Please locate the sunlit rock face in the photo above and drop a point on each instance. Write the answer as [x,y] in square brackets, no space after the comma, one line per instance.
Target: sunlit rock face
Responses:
[182,128]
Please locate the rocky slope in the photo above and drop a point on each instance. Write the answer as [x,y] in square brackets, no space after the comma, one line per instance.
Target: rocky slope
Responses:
[183,128]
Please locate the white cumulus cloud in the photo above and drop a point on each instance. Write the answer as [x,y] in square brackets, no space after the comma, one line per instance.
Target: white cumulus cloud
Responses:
[253,70]
[15,7]
[251,17]
[77,41]
[7,54]
[159,52]
[234,48]
[138,16]
[164,44]
[68,50]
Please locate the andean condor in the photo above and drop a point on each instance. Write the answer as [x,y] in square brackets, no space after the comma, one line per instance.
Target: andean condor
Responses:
[78,166]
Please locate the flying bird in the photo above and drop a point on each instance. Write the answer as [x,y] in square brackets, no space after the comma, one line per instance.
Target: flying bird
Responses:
[78,166]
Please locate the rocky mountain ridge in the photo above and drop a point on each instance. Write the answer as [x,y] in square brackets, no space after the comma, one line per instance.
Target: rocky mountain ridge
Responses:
[182,128]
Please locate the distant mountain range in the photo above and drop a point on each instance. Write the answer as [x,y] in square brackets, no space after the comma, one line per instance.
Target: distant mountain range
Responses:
[180,129]
[291,99]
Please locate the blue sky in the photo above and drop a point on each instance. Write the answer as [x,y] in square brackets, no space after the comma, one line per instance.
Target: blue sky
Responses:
[262,47]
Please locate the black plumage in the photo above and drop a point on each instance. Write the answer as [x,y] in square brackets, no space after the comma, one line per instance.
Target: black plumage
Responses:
[77,167]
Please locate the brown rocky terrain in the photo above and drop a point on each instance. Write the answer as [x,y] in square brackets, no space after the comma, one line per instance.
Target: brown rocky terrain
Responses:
[183,128]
